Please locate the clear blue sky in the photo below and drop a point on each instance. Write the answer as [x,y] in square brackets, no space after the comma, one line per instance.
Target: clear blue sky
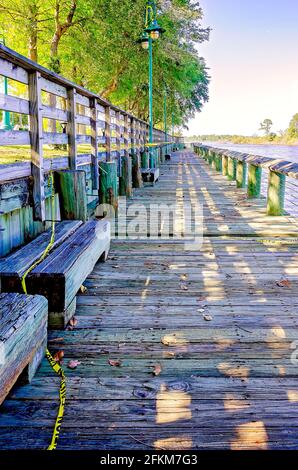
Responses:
[253,60]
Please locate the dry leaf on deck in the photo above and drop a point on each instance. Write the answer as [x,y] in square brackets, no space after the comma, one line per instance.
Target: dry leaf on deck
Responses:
[72,323]
[183,287]
[184,277]
[207,317]
[73,364]
[58,357]
[284,283]
[83,289]
[157,370]
[115,362]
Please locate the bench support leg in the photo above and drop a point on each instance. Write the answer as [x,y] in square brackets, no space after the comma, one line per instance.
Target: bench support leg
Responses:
[59,320]
[30,370]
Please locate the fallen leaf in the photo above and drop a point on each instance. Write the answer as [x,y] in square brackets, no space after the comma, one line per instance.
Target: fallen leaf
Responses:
[184,277]
[183,287]
[55,340]
[115,362]
[73,364]
[58,357]
[83,289]
[284,283]
[207,317]
[72,323]
[157,370]
[201,310]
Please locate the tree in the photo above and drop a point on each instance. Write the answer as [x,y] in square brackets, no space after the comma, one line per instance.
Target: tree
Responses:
[95,44]
[266,126]
[293,127]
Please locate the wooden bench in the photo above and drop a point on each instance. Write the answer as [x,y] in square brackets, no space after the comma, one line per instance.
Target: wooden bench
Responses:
[78,247]
[23,337]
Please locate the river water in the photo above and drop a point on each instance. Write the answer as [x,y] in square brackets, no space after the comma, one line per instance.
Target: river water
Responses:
[285,152]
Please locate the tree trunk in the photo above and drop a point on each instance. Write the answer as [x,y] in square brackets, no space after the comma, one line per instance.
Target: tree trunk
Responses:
[32,29]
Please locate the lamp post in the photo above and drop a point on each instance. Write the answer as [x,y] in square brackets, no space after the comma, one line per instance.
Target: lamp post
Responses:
[151,33]
[165,111]
[6,114]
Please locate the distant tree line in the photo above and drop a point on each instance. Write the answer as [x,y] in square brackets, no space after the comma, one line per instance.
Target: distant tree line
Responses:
[288,136]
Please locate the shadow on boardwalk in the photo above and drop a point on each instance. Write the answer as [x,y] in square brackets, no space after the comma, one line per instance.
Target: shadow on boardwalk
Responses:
[204,338]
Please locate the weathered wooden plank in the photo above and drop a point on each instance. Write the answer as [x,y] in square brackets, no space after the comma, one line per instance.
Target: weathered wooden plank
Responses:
[14,104]
[23,331]
[72,129]
[36,136]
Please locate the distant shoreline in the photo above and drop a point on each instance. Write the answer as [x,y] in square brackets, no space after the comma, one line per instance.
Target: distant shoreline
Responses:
[290,144]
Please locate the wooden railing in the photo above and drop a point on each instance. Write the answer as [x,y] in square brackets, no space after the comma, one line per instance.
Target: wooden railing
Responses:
[247,169]
[85,118]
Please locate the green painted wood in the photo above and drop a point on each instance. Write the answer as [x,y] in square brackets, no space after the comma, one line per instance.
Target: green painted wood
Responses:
[276,193]
[71,186]
[241,174]
[254,181]
[137,181]
[108,188]
[145,160]
[231,168]
[125,180]
[225,165]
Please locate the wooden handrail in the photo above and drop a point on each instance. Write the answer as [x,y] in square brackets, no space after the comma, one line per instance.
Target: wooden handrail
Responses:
[118,127]
[237,166]
[278,165]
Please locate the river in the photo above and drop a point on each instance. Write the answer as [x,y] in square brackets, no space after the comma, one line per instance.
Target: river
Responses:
[285,152]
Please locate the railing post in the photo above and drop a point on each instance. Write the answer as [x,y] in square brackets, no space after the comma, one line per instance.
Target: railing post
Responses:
[118,141]
[137,181]
[231,168]
[108,132]
[241,172]
[276,193]
[125,180]
[254,181]
[94,144]
[225,165]
[37,169]
[72,128]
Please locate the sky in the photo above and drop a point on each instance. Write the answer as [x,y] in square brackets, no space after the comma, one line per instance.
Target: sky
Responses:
[253,59]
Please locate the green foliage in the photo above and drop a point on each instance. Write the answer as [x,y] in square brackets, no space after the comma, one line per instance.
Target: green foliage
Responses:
[266,126]
[292,131]
[94,43]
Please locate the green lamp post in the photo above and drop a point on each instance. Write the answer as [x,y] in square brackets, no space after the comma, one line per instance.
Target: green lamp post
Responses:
[6,114]
[151,33]
[165,117]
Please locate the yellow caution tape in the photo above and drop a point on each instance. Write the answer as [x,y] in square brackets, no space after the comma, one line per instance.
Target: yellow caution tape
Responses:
[54,364]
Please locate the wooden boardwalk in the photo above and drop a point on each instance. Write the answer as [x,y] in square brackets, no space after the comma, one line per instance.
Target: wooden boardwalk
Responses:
[216,326]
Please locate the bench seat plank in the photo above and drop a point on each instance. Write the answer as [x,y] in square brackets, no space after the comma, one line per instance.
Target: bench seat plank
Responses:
[61,274]
[23,336]
[13,266]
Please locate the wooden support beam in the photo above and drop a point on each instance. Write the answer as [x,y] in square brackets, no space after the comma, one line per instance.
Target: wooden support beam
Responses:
[241,173]
[72,128]
[125,180]
[224,165]
[254,181]
[137,181]
[276,193]
[108,189]
[94,144]
[71,186]
[36,131]
[231,168]
[108,133]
